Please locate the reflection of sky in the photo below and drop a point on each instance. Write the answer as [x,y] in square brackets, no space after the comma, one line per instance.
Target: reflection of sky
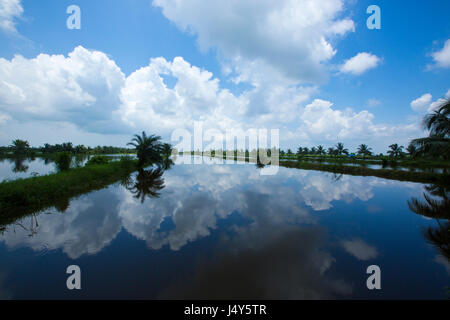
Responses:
[293,235]
[34,166]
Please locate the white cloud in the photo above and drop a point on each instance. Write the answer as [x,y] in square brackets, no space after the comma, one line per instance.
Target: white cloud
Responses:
[289,37]
[442,58]
[320,122]
[82,88]
[88,90]
[422,103]
[9,11]
[360,249]
[371,103]
[360,63]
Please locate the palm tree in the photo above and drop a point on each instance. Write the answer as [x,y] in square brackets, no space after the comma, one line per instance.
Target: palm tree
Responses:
[364,150]
[20,146]
[166,150]
[313,150]
[340,149]
[437,144]
[320,150]
[395,150]
[331,151]
[148,148]
[411,149]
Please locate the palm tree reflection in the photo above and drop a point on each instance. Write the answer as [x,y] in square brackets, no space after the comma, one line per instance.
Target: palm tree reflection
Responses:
[147,183]
[436,206]
[19,165]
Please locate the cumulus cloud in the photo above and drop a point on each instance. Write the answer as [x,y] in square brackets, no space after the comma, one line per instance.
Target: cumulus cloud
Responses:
[10,10]
[83,88]
[322,122]
[422,103]
[87,92]
[288,37]
[442,57]
[360,63]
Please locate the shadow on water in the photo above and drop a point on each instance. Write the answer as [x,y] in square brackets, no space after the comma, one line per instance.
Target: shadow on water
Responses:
[436,205]
[146,184]
[19,164]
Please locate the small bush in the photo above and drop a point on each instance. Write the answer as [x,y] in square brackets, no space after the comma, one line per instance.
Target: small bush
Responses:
[63,161]
[126,162]
[98,160]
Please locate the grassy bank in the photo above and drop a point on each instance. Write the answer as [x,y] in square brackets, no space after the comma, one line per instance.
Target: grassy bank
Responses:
[25,196]
[341,168]
[400,175]
[420,163]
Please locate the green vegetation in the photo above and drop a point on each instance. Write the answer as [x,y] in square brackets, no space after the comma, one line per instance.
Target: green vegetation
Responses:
[20,146]
[148,148]
[423,177]
[437,144]
[63,161]
[23,148]
[98,160]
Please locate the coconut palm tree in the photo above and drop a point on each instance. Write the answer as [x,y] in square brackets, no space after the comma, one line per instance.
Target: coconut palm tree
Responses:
[320,150]
[331,151]
[20,146]
[340,149]
[411,149]
[364,150]
[395,150]
[437,144]
[148,148]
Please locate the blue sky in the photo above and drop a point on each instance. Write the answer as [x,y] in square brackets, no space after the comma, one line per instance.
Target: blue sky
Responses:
[309,68]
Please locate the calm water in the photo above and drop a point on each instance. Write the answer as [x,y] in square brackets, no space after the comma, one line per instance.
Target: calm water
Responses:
[225,231]
[15,168]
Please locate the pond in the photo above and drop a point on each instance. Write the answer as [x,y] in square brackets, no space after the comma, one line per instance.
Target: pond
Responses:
[26,167]
[225,231]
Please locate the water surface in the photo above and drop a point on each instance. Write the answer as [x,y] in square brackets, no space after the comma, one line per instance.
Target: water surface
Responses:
[225,231]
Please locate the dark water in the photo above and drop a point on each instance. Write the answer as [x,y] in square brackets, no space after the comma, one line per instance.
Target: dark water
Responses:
[225,231]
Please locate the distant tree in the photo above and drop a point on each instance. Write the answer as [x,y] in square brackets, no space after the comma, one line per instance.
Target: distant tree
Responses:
[20,146]
[320,150]
[411,149]
[313,150]
[340,150]
[331,151]
[364,150]
[395,150]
